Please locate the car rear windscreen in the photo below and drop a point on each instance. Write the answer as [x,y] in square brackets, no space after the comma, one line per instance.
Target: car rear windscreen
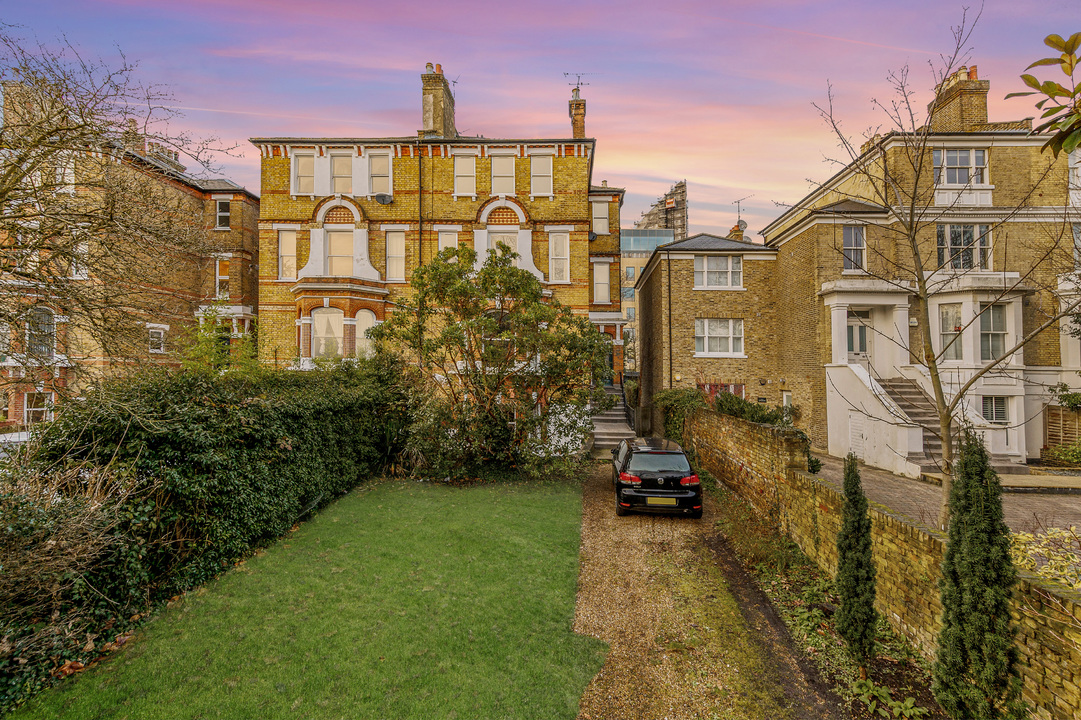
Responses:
[658,462]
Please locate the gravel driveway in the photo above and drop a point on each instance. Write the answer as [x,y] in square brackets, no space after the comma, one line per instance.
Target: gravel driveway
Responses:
[675,608]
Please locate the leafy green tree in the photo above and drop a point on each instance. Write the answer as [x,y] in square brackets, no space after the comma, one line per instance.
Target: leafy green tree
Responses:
[507,375]
[975,674]
[1062,104]
[856,618]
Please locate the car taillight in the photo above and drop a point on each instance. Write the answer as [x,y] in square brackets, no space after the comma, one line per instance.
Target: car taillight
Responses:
[633,479]
[689,480]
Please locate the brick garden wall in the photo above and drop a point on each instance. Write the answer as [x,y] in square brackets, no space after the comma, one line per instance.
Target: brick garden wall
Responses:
[767,466]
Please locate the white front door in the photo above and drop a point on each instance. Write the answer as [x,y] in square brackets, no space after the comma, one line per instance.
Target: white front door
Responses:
[859,338]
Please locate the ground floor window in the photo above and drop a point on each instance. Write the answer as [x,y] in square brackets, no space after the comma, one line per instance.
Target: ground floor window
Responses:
[328,332]
[37,406]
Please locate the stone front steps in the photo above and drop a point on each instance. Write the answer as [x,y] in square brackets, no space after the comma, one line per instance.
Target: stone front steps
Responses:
[610,427]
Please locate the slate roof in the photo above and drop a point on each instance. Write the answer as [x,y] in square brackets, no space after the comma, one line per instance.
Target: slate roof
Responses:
[705,241]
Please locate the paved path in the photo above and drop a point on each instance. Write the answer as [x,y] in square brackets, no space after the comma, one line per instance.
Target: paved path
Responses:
[919,501]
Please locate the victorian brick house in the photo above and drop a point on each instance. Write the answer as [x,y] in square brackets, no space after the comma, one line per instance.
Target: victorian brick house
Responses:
[344,222]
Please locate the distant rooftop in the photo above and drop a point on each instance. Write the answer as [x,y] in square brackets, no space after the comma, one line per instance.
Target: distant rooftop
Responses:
[645,240]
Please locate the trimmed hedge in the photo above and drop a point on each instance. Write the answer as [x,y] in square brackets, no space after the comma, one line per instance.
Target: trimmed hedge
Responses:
[214,466]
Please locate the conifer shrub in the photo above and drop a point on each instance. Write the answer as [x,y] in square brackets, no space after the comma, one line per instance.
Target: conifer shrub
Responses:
[976,672]
[856,616]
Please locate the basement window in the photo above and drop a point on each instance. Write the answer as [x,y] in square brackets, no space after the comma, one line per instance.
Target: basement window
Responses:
[994,409]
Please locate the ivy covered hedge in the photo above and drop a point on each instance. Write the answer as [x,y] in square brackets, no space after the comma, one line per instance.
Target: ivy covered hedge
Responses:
[175,476]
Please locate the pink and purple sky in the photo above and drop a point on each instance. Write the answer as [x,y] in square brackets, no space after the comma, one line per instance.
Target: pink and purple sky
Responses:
[718,93]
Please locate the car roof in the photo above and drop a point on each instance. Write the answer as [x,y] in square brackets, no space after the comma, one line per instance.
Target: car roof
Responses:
[654,444]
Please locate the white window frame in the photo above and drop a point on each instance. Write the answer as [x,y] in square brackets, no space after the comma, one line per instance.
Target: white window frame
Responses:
[600,217]
[854,248]
[952,347]
[990,330]
[331,313]
[559,261]
[80,252]
[995,409]
[218,277]
[703,273]
[297,177]
[465,176]
[538,173]
[706,329]
[348,257]
[372,175]
[448,239]
[219,215]
[158,331]
[50,332]
[348,176]
[602,278]
[46,410]
[951,256]
[282,255]
[949,166]
[500,179]
[396,236]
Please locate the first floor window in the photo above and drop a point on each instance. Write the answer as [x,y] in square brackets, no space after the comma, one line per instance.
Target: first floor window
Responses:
[718,335]
[510,239]
[950,331]
[304,180]
[340,253]
[328,334]
[602,292]
[465,175]
[41,332]
[559,260]
[853,247]
[395,255]
[287,254]
[221,278]
[157,340]
[502,174]
[964,247]
[994,409]
[223,215]
[379,169]
[992,331]
[540,171]
[718,271]
[341,174]
[37,406]
[447,239]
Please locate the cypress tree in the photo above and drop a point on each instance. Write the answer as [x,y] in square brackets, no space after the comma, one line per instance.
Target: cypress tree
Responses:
[856,618]
[975,674]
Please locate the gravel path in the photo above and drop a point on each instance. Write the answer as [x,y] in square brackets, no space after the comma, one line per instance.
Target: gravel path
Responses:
[675,607]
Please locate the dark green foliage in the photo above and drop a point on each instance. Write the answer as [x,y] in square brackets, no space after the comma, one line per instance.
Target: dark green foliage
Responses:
[975,673]
[212,466]
[856,617]
[678,405]
[780,416]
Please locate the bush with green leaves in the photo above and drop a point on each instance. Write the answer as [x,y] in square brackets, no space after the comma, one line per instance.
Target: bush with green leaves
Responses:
[677,405]
[856,617]
[204,466]
[976,671]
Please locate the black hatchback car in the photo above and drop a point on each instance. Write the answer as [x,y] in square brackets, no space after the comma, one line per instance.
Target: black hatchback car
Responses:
[653,475]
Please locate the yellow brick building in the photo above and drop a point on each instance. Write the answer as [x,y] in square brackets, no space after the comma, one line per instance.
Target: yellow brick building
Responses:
[344,223]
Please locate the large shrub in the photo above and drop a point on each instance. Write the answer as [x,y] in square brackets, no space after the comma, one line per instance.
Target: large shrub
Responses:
[201,467]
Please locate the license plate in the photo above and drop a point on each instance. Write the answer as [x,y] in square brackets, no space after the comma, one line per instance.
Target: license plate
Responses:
[661,501]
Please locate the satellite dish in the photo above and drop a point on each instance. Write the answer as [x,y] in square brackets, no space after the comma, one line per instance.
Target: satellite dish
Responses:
[384,198]
[742,224]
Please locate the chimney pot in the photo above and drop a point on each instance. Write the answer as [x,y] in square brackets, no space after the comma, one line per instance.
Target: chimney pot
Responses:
[429,68]
[604,183]
[438,69]
[972,73]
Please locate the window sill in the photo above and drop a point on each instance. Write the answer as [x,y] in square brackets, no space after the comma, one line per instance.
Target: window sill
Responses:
[963,186]
[857,272]
[721,288]
[456,196]
[534,197]
[561,282]
[737,356]
[222,228]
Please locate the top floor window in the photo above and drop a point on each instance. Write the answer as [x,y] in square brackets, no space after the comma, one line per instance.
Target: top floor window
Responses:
[853,247]
[540,171]
[379,168]
[600,218]
[718,271]
[960,167]
[502,174]
[222,221]
[341,174]
[964,247]
[465,175]
[304,182]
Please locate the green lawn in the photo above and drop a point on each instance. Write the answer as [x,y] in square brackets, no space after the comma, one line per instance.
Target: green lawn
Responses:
[401,600]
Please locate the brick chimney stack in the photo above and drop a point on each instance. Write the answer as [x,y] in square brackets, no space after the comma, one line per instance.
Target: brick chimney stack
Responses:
[578,115]
[736,233]
[437,111]
[960,103]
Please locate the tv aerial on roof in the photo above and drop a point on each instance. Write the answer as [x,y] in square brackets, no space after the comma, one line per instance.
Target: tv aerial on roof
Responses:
[578,78]
[737,204]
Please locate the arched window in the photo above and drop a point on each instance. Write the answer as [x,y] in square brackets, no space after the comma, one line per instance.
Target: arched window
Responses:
[40,332]
[327,332]
[365,321]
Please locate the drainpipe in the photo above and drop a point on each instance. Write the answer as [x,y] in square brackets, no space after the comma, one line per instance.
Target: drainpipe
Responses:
[420,250]
[668,263]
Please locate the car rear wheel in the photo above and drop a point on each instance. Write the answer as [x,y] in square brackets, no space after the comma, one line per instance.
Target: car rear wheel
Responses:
[696,514]
[620,510]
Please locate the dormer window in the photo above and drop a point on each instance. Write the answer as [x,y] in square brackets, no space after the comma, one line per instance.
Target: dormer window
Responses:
[960,167]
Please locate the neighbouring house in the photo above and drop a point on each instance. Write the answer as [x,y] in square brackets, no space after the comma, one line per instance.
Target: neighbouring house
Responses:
[91,282]
[998,223]
[707,319]
[344,222]
[635,247]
